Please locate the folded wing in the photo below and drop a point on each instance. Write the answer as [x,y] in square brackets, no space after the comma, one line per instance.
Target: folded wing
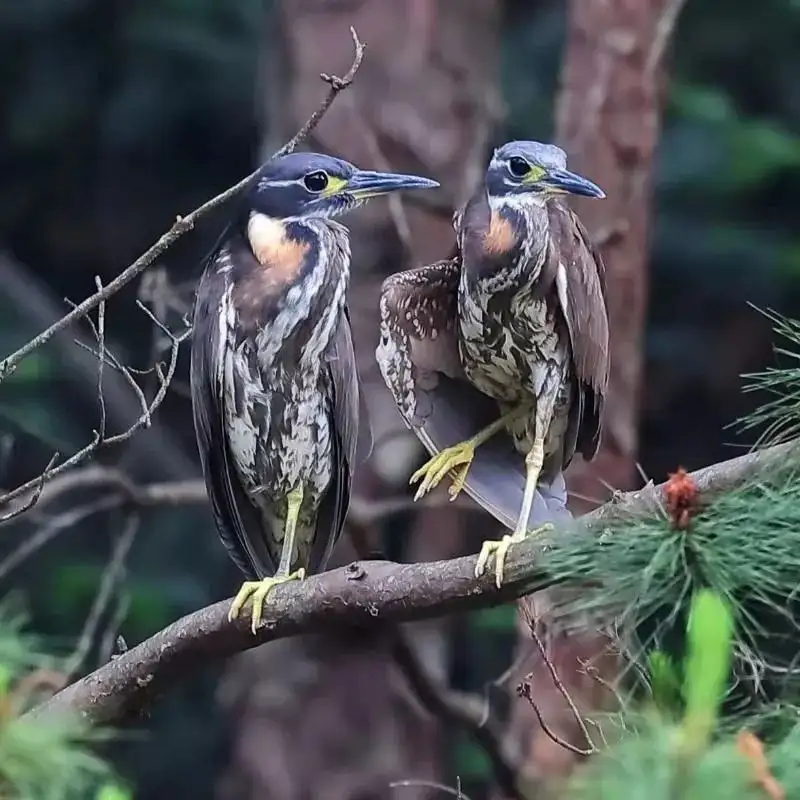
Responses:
[580,280]
[351,439]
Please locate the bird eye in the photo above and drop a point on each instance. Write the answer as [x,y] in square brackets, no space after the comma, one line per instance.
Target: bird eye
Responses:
[518,167]
[316,181]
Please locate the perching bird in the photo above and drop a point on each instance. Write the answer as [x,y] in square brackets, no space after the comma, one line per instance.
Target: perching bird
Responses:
[275,393]
[498,358]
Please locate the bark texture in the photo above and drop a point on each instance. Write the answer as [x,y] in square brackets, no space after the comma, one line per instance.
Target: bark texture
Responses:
[322,716]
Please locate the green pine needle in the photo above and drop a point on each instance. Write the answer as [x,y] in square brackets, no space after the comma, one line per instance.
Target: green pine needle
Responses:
[19,650]
[48,758]
[665,684]
[744,546]
[778,418]
[650,766]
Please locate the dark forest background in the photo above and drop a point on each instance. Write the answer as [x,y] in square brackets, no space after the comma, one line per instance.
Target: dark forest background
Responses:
[117,116]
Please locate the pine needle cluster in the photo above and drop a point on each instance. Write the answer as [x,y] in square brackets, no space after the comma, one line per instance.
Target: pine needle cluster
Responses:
[703,607]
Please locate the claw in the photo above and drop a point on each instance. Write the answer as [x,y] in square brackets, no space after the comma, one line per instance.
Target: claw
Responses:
[259,590]
[455,459]
[499,549]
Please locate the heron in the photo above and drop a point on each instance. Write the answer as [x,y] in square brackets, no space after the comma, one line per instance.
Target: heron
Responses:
[278,412]
[498,358]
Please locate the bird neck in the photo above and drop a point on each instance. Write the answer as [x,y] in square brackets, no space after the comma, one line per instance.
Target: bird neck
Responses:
[296,280]
[301,253]
[504,242]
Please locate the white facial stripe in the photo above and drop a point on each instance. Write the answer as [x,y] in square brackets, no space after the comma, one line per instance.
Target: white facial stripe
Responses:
[263,184]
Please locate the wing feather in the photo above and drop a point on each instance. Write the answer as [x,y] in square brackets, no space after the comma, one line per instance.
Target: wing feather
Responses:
[419,361]
[580,279]
[238,521]
[351,439]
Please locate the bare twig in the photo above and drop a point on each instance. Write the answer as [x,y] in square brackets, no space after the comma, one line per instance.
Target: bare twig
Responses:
[112,574]
[101,359]
[59,523]
[664,29]
[464,711]
[397,209]
[33,499]
[112,643]
[525,689]
[193,492]
[184,224]
[437,787]
[99,441]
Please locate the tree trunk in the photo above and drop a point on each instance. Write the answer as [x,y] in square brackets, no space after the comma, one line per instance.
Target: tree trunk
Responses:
[608,115]
[608,118]
[329,717]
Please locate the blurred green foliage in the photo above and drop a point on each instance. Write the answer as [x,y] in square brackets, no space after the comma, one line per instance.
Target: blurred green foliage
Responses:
[50,758]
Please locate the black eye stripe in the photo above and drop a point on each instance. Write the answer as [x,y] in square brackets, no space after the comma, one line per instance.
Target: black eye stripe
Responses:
[518,167]
[316,181]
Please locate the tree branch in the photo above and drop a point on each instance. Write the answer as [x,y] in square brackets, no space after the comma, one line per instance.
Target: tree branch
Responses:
[365,593]
[361,594]
[710,481]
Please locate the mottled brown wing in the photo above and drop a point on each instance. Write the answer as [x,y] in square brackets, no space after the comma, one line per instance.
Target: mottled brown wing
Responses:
[239,524]
[580,283]
[418,343]
[352,441]
[418,358]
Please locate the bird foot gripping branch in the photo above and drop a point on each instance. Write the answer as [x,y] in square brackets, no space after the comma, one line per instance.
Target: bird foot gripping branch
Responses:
[499,549]
[258,591]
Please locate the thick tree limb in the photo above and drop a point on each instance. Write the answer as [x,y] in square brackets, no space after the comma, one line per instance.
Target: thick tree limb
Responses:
[361,594]
[364,593]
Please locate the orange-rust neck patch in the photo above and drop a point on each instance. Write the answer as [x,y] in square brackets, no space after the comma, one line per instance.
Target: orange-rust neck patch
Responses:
[500,237]
[274,249]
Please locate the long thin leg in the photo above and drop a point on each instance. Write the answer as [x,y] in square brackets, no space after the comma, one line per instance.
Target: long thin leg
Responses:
[456,459]
[259,590]
[533,468]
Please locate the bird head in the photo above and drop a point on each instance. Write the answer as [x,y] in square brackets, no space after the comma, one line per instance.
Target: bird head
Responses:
[303,185]
[532,172]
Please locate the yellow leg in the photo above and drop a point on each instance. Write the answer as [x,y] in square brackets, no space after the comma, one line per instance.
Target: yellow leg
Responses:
[455,459]
[533,468]
[258,590]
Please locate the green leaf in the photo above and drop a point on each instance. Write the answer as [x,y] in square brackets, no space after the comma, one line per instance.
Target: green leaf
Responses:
[113,791]
[707,666]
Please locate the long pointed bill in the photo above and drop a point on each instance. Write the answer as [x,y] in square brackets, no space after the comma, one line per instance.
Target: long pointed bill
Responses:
[571,183]
[366,183]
